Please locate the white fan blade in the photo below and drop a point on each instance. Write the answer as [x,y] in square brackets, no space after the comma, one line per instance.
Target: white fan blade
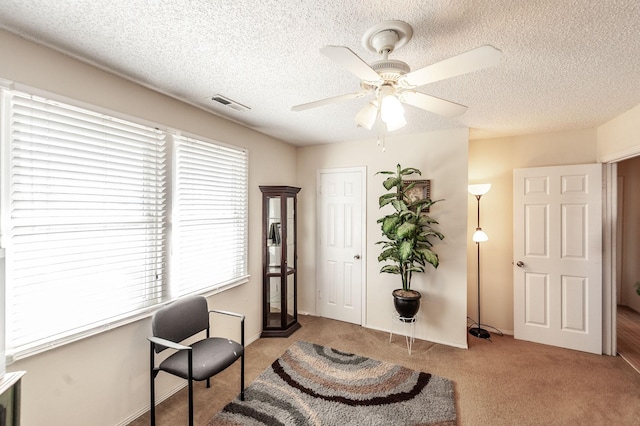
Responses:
[474,60]
[352,62]
[432,104]
[328,101]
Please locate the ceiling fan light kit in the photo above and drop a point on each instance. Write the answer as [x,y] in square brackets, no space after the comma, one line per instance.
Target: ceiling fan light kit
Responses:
[367,116]
[392,82]
[391,109]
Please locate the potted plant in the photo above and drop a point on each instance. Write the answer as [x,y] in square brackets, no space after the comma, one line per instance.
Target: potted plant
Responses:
[408,232]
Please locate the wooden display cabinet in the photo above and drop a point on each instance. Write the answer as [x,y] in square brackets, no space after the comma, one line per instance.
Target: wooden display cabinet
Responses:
[279,261]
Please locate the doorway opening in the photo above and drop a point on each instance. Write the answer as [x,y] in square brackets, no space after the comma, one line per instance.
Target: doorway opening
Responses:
[627,268]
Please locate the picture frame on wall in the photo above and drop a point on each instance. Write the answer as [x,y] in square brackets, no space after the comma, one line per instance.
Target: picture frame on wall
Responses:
[420,191]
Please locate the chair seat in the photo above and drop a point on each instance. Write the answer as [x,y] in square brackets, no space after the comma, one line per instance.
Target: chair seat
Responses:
[210,356]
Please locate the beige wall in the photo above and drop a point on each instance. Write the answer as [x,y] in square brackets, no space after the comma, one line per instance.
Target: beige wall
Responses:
[442,157]
[629,220]
[103,380]
[492,161]
[619,138]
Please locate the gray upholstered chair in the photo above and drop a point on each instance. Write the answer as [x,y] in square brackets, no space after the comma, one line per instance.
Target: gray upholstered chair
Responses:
[201,360]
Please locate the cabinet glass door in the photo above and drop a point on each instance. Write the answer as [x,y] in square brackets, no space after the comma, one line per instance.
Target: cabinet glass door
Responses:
[274,262]
[291,261]
[274,237]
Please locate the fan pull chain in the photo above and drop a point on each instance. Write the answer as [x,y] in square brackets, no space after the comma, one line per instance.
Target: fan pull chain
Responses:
[381,141]
[381,127]
[381,136]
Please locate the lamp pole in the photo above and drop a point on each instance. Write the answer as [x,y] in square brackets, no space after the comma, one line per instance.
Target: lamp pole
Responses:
[478,237]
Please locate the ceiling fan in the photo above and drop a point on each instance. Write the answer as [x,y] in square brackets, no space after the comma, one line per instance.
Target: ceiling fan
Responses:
[392,82]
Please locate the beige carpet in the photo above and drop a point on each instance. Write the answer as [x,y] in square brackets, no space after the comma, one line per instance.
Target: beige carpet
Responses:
[506,382]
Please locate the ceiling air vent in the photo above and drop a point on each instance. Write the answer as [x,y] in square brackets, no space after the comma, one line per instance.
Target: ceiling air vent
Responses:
[229,103]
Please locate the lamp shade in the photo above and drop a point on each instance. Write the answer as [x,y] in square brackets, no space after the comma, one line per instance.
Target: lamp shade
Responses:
[480,236]
[391,109]
[366,117]
[392,112]
[396,124]
[479,189]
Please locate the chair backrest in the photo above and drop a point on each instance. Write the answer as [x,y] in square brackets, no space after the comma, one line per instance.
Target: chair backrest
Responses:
[180,319]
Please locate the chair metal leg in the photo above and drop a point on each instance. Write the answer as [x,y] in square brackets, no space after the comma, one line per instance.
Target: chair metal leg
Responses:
[242,378]
[152,377]
[190,388]
[153,404]
[242,359]
[153,408]
[190,402]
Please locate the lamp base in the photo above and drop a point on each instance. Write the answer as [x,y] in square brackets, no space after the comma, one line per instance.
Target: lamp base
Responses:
[480,333]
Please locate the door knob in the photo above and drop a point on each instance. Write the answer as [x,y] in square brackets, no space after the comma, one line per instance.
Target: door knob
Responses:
[520,264]
[357,256]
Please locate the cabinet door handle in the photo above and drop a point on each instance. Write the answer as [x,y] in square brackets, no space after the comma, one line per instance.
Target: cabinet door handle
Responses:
[357,256]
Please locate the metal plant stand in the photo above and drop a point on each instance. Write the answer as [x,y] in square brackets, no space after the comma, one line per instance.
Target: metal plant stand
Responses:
[409,323]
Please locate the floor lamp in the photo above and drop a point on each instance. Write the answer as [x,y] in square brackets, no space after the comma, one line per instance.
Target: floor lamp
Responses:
[479,237]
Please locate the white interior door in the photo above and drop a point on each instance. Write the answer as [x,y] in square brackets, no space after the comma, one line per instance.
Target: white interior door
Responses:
[557,216]
[340,253]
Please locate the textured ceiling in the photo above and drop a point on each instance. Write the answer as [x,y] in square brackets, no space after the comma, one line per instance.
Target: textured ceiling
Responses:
[567,64]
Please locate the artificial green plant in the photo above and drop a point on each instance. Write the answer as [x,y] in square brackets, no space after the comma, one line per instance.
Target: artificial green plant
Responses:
[408,230]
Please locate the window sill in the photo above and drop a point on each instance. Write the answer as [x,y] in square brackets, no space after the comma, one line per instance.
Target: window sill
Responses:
[112,324]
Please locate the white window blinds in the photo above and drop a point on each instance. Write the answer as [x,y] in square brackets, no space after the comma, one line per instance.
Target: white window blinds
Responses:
[210,216]
[85,238]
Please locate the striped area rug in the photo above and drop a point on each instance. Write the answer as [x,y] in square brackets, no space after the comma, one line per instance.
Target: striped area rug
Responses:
[315,385]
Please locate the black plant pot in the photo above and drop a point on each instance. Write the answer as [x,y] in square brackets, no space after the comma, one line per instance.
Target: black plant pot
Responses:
[407,304]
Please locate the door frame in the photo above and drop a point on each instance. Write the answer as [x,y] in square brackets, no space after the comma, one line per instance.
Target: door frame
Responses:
[609,256]
[363,223]
[609,241]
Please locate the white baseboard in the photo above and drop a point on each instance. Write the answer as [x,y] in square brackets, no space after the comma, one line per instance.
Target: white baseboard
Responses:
[454,345]
[159,399]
